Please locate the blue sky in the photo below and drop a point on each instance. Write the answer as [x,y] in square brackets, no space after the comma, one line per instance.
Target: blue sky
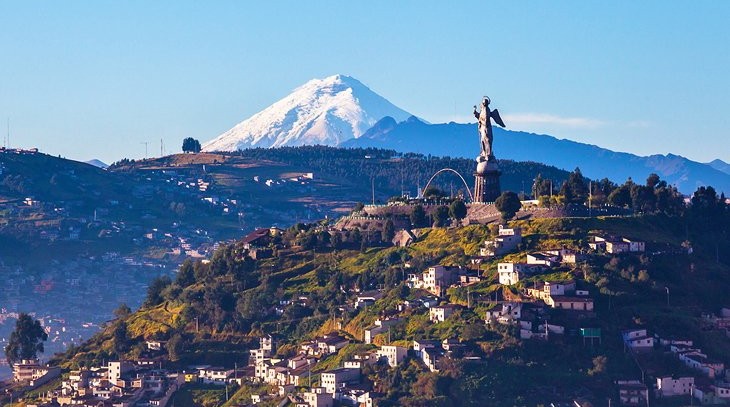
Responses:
[96,79]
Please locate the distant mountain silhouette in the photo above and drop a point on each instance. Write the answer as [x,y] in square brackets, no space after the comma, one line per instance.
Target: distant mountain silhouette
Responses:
[461,140]
[720,166]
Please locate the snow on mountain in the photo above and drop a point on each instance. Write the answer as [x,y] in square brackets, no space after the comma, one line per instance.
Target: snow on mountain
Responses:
[325,111]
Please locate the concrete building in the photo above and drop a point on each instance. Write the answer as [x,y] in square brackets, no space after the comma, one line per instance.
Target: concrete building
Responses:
[669,386]
[393,355]
[335,379]
[439,313]
[506,241]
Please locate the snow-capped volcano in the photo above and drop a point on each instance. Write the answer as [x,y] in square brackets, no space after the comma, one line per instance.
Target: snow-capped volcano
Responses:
[322,111]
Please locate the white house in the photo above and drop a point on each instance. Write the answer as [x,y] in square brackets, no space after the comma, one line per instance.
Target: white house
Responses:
[506,241]
[380,326]
[439,313]
[430,358]
[510,273]
[700,361]
[549,258]
[570,303]
[335,379]
[669,386]
[393,355]
[638,340]
[542,290]
[318,397]
[632,393]
[504,313]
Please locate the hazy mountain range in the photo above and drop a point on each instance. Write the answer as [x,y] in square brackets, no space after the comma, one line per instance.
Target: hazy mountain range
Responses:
[341,111]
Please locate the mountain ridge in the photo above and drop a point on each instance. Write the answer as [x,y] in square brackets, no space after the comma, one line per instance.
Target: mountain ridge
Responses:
[460,140]
[341,111]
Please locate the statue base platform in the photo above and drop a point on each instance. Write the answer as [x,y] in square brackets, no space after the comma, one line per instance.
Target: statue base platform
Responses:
[486,182]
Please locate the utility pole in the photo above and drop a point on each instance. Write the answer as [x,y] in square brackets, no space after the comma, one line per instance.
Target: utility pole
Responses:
[590,197]
[372,183]
[146,144]
[162,148]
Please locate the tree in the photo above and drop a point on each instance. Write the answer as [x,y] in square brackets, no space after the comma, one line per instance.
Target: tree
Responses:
[599,365]
[508,204]
[26,340]
[457,210]
[154,291]
[336,241]
[175,347]
[418,217]
[440,216]
[358,207]
[120,338]
[620,196]
[433,192]
[652,181]
[388,232]
[186,274]
[122,311]
[191,145]
[575,189]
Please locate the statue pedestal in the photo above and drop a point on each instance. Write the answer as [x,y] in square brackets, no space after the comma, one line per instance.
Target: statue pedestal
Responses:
[486,180]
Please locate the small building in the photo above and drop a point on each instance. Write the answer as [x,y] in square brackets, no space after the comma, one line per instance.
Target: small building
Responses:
[393,355]
[632,393]
[403,238]
[431,357]
[669,386]
[570,303]
[439,313]
[699,361]
[420,346]
[638,340]
[335,379]
[506,241]
[510,273]
[318,397]
[504,313]
[544,258]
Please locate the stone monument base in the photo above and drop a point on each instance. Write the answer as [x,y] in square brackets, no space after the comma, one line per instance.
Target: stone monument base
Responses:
[486,182]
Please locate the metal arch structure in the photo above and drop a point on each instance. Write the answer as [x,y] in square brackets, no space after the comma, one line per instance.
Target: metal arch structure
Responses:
[455,172]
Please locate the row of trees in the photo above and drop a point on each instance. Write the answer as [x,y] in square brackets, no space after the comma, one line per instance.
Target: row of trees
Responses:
[653,196]
[440,215]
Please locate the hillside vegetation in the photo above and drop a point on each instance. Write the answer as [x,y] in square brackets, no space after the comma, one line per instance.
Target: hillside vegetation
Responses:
[213,311]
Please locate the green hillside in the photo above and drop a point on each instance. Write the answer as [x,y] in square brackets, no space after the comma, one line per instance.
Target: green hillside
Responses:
[233,299]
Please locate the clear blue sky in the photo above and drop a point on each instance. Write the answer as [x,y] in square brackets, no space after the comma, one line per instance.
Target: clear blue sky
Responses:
[94,79]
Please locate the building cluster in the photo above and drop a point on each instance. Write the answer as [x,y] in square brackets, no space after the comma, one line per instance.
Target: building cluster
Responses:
[342,384]
[709,385]
[437,279]
[116,384]
[616,244]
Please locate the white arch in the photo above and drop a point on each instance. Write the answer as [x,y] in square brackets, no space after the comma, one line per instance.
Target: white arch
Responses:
[455,172]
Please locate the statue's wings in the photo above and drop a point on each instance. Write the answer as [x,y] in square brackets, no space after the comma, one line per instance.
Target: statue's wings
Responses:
[497,119]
